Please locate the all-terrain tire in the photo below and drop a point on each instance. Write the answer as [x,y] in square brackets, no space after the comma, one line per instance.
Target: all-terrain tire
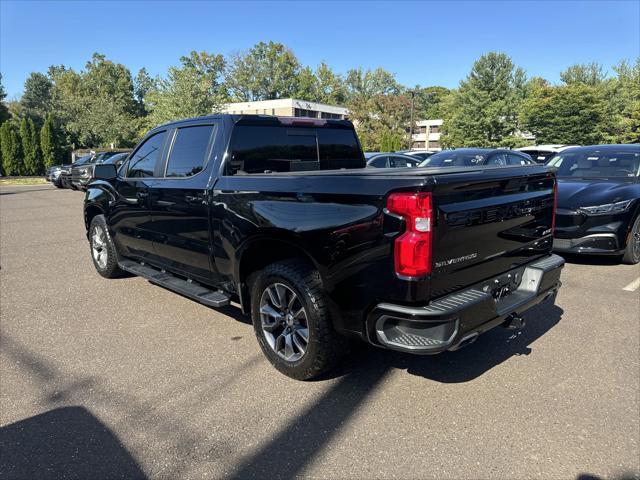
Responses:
[325,347]
[102,248]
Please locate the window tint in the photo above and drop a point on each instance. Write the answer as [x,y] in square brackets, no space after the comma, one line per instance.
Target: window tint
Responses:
[379,162]
[401,162]
[599,164]
[497,159]
[189,150]
[264,149]
[339,149]
[143,161]
[540,156]
[452,158]
[518,160]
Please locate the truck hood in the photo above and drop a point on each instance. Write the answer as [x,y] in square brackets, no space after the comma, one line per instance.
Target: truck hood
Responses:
[575,193]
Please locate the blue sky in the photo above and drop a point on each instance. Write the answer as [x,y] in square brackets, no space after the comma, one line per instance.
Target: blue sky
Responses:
[426,43]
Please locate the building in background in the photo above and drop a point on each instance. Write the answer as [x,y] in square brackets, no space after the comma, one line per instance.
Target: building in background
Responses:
[289,107]
[426,135]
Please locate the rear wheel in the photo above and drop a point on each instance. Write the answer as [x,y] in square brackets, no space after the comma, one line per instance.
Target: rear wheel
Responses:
[632,251]
[291,319]
[103,251]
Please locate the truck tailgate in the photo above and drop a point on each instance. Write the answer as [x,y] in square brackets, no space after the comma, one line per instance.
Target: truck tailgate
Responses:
[487,224]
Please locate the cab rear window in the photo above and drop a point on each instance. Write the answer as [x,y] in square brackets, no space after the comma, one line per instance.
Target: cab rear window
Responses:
[257,149]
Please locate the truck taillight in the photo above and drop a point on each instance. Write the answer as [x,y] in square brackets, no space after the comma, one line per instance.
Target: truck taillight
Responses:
[413,247]
[555,206]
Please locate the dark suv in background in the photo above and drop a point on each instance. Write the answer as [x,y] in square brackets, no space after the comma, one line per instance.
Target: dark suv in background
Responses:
[82,173]
[598,208]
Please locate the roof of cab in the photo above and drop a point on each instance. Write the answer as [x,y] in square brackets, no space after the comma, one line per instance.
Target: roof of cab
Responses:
[256,120]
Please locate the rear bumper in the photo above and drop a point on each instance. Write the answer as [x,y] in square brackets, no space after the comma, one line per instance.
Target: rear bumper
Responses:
[450,321]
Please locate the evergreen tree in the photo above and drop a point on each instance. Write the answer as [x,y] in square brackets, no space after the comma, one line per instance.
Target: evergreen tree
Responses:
[36,99]
[11,149]
[49,142]
[4,110]
[30,149]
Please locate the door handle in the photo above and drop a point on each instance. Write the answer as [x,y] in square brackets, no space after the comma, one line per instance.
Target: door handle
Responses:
[193,198]
[142,195]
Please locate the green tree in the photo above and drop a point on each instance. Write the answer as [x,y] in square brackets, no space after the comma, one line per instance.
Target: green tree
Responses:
[330,86]
[4,111]
[36,99]
[583,74]
[363,85]
[96,106]
[10,144]
[30,147]
[429,102]
[382,121]
[484,109]
[569,114]
[307,85]
[193,89]
[50,142]
[323,85]
[267,71]
[142,85]
[624,98]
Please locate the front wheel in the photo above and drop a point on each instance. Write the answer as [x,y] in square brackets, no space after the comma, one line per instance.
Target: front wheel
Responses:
[291,320]
[103,251]
[632,251]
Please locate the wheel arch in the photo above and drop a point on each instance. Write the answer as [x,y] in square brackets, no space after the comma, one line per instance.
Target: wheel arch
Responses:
[90,212]
[261,251]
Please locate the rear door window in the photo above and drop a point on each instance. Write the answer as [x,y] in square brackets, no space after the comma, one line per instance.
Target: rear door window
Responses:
[143,161]
[189,151]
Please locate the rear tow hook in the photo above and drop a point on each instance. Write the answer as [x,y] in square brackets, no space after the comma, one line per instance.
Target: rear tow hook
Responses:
[514,322]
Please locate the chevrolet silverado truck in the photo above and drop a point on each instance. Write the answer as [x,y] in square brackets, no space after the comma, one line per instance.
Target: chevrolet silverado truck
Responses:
[279,215]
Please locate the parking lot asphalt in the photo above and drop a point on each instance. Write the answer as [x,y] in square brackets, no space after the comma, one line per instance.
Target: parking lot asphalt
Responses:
[123,379]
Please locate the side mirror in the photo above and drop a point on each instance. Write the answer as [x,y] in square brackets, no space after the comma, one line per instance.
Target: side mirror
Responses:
[105,171]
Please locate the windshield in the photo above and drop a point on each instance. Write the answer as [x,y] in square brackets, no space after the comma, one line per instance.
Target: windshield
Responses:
[453,158]
[101,157]
[83,160]
[600,164]
[116,158]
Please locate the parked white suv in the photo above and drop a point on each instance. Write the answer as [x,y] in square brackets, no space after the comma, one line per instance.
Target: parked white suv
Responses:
[543,153]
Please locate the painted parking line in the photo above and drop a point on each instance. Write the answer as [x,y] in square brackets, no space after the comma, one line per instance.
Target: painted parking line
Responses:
[633,286]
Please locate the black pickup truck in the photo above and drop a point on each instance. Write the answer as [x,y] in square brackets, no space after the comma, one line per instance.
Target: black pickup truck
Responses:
[280,215]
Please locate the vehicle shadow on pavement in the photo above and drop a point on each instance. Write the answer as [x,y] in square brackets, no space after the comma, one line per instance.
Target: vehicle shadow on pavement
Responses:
[591,259]
[129,415]
[286,455]
[26,191]
[67,442]
[491,349]
[299,442]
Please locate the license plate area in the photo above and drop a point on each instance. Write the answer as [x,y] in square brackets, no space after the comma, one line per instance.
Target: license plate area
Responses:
[504,285]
